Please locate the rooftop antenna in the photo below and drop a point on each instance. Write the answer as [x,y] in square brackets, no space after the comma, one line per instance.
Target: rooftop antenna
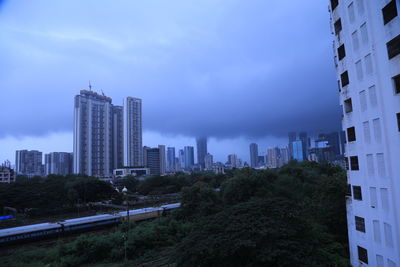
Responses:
[90,86]
[102,93]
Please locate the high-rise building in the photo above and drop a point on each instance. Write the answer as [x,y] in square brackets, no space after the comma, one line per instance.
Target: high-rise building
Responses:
[171,159]
[163,163]
[93,134]
[29,163]
[209,162]
[304,144]
[367,57]
[181,158]
[188,157]
[153,160]
[261,161]
[58,163]
[201,150]
[7,174]
[118,137]
[253,155]
[292,138]
[133,132]
[297,150]
[284,156]
[233,160]
[273,158]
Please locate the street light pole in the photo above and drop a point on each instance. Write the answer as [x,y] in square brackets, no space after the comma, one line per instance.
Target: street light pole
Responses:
[125,191]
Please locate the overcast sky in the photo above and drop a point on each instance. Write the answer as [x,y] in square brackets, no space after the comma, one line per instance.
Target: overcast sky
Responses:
[234,70]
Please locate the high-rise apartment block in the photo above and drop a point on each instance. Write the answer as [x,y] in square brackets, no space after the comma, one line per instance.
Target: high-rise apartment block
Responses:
[155,159]
[367,57]
[297,147]
[133,152]
[188,157]
[106,136]
[253,155]
[29,163]
[201,143]
[171,159]
[60,163]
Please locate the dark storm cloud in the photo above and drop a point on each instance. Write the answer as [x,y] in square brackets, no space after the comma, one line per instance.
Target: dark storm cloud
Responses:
[216,68]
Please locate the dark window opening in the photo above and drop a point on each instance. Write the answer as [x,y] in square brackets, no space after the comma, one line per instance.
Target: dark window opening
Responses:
[338,26]
[360,224]
[348,105]
[393,47]
[389,12]
[354,163]
[357,192]
[398,121]
[341,52]
[340,89]
[334,4]
[351,134]
[396,82]
[362,254]
[344,77]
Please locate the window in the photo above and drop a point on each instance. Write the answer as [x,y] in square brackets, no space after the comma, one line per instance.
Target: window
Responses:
[341,52]
[379,261]
[362,254]
[389,12]
[338,26]
[359,70]
[348,105]
[354,163]
[351,134]
[396,83]
[385,199]
[380,162]
[357,192]
[372,96]
[364,33]
[356,43]
[391,263]
[367,133]
[373,197]
[398,121]
[370,165]
[363,100]
[393,47]
[334,4]
[351,13]
[360,224]
[344,77]
[377,130]
[377,231]
[348,191]
[388,235]
[368,64]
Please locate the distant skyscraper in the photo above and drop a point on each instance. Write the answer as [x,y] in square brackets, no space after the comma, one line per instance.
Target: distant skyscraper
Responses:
[201,150]
[261,161]
[59,163]
[163,163]
[153,160]
[284,156]
[181,158]
[233,160]
[29,163]
[171,159]
[253,155]
[208,162]
[292,138]
[297,150]
[304,143]
[133,132]
[118,137]
[93,134]
[273,157]
[189,157]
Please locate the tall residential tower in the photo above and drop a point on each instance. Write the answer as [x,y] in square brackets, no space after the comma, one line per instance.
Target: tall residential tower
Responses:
[133,150]
[367,59]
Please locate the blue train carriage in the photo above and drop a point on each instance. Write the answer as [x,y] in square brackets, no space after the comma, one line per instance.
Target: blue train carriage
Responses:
[91,222]
[141,214]
[167,209]
[29,232]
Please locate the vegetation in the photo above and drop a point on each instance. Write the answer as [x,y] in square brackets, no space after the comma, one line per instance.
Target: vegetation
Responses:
[292,216]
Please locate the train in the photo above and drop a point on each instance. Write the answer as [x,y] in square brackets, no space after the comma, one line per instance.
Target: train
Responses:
[54,229]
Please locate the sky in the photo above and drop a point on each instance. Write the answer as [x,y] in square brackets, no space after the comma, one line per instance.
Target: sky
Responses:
[235,71]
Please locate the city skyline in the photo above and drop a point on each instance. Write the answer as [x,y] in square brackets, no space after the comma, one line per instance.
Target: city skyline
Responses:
[181,58]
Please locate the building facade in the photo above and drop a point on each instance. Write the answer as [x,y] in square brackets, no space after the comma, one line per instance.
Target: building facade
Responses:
[188,157]
[367,58]
[60,163]
[171,159]
[253,155]
[29,163]
[133,153]
[201,143]
[297,150]
[7,174]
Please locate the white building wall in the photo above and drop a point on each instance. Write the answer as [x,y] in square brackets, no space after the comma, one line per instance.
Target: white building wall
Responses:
[377,143]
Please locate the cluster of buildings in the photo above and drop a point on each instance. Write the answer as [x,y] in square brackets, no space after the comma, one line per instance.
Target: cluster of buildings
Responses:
[366,43]
[323,148]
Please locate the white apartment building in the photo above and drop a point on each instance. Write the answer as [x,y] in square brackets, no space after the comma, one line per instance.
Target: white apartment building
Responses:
[367,57]
[133,149]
